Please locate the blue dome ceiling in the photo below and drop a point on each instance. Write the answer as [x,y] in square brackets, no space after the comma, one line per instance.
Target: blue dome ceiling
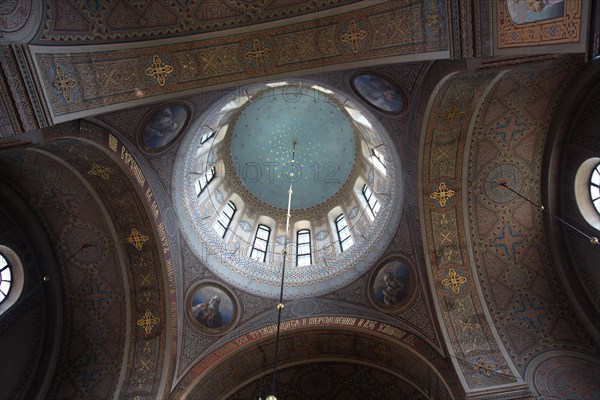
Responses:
[261,146]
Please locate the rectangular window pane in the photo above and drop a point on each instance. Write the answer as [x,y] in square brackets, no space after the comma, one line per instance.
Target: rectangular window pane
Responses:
[304,249]
[220,230]
[258,255]
[4,286]
[347,243]
[262,234]
[303,260]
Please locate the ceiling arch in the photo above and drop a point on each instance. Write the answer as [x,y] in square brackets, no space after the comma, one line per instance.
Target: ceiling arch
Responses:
[345,340]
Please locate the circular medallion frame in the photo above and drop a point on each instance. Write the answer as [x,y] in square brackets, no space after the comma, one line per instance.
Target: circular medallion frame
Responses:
[392,284]
[163,126]
[211,307]
[379,91]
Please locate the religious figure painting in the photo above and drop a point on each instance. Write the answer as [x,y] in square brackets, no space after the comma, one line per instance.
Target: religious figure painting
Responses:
[392,284]
[164,126]
[527,11]
[212,306]
[532,23]
[379,92]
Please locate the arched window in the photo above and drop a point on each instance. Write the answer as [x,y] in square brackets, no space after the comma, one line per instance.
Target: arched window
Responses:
[204,181]
[5,278]
[343,232]
[372,203]
[303,248]
[595,188]
[261,243]
[204,138]
[225,219]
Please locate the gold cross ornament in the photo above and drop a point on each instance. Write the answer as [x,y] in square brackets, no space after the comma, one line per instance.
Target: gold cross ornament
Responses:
[148,321]
[102,172]
[354,36]
[454,280]
[258,54]
[137,239]
[442,194]
[450,115]
[159,71]
[64,83]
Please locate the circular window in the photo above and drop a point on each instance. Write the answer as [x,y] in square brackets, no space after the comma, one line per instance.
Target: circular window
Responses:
[11,278]
[246,157]
[595,187]
[587,191]
[5,278]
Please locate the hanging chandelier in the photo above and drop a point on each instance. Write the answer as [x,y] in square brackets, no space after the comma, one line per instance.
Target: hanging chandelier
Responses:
[280,305]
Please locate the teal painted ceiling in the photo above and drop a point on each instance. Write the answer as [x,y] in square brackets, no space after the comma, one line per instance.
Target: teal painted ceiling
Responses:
[261,147]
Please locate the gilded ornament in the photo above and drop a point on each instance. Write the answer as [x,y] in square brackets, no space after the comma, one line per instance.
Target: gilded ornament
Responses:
[258,54]
[354,36]
[148,321]
[454,280]
[450,115]
[159,71]
[137,239]
[442,194]
[64,84]
[102,172]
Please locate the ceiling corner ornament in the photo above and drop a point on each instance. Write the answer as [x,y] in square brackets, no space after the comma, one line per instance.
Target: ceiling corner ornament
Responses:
[454,280]
[257,54]
[100,171]
[484,368]
[354,36]
[159,70]
[136,239]
[148,321]
[442,194]
[64,83]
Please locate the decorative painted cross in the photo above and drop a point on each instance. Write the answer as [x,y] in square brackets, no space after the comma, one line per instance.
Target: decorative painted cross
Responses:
[159,71]
[148,321]
[102,172]
[442,194]
[383,352]
[450,115]
[511,127]
[64,83]
[137,239]
[354,36]
[454,280]
[258,54]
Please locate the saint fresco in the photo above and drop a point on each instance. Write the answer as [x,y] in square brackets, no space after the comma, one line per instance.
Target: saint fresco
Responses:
[527,11]
[379,92]
[165,126]
[392,284]
[212,307]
